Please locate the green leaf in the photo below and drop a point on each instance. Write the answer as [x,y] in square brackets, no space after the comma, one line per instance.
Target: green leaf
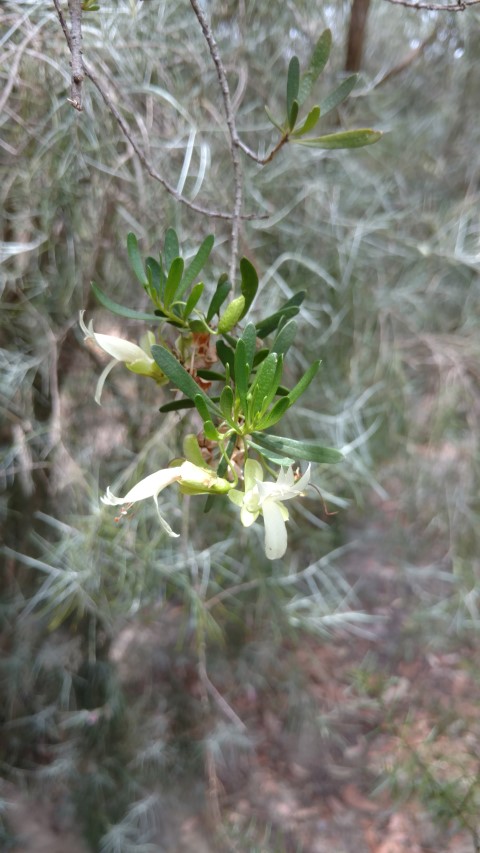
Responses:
[293,115]
[309,123]
[120,310]
[231,315]
[293,82]
[249,285]
[275,414]
[242,372]
[211,375]
[192,452]
[222,290]
[226,356]
[288,309]
[285,337]
[316,65]
[176,406]
[284,461]
[156,276]
[338,95]
[201,407]
[264,387]
[313,452]
[179,377]
[304,382]
[346,139]
[198,325]
[135,259]
[210,431]
[274,121]
[171,247]
[192,300]
[226,403]
[173,281]
[249,338]
[196,264]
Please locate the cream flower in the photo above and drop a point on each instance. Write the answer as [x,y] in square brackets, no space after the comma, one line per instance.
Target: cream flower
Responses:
[137,359]
[191,478]
[267,499]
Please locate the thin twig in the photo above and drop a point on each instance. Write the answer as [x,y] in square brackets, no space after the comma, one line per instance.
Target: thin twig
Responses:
[75,7]
[198,208]
[459,6]
[234,140]
[408,59]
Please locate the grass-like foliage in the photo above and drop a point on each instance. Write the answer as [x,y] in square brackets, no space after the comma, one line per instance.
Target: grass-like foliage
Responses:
[136,663]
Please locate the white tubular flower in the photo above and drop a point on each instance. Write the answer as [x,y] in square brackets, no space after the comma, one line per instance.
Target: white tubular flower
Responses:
[191,478]
[267,499]
[135,358]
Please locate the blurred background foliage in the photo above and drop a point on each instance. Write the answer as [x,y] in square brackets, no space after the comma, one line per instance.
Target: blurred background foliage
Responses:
[103,623]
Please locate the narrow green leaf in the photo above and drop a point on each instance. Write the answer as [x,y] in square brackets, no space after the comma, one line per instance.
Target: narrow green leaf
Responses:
[201,407]
[171,248]
[211,375]
[263,388]
[304,382]
[196,264]
[285,337]
[135,259]
[284,461]
[173,281]
[222,290]
[293,82]
[179,377]
[274,415]
[338,95]
[226,356]
[192,300]
[157,279]
[316,65]
[288,309]
[249,338]
[293,115]
[298,449]
[120,310]
[249,285]
[232,314]
[226,403]
[176,406]
[210,431]
[274,121]
[309,123]
[346,139]
[242,372]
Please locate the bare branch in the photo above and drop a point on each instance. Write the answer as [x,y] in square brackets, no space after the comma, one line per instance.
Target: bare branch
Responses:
[75,7]
[234,140]
[126,130]
[459,6]
[411,57]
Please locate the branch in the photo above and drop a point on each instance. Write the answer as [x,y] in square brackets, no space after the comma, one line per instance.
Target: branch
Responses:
[124,127]
[408,59]
[459,6]
[234,140]
[75,7]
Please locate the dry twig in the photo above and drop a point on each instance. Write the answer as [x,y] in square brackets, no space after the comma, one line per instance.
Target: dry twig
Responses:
[459,6]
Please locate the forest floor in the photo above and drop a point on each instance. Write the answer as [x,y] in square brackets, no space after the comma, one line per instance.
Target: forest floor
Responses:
[373,750]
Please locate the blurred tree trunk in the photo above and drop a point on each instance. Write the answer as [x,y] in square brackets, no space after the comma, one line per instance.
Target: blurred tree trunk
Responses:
[356,35]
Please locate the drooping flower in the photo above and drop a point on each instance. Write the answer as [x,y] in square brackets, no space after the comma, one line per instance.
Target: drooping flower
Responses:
[267,499]
[137,359]
[191,478]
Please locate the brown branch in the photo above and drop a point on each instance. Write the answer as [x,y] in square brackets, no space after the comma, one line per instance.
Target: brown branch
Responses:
[408,59]
[459,6]
[234,141]
[75,7]
[124,127]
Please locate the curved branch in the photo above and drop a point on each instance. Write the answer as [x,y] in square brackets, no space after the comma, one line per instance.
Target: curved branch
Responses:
[459,6]
[148,165]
